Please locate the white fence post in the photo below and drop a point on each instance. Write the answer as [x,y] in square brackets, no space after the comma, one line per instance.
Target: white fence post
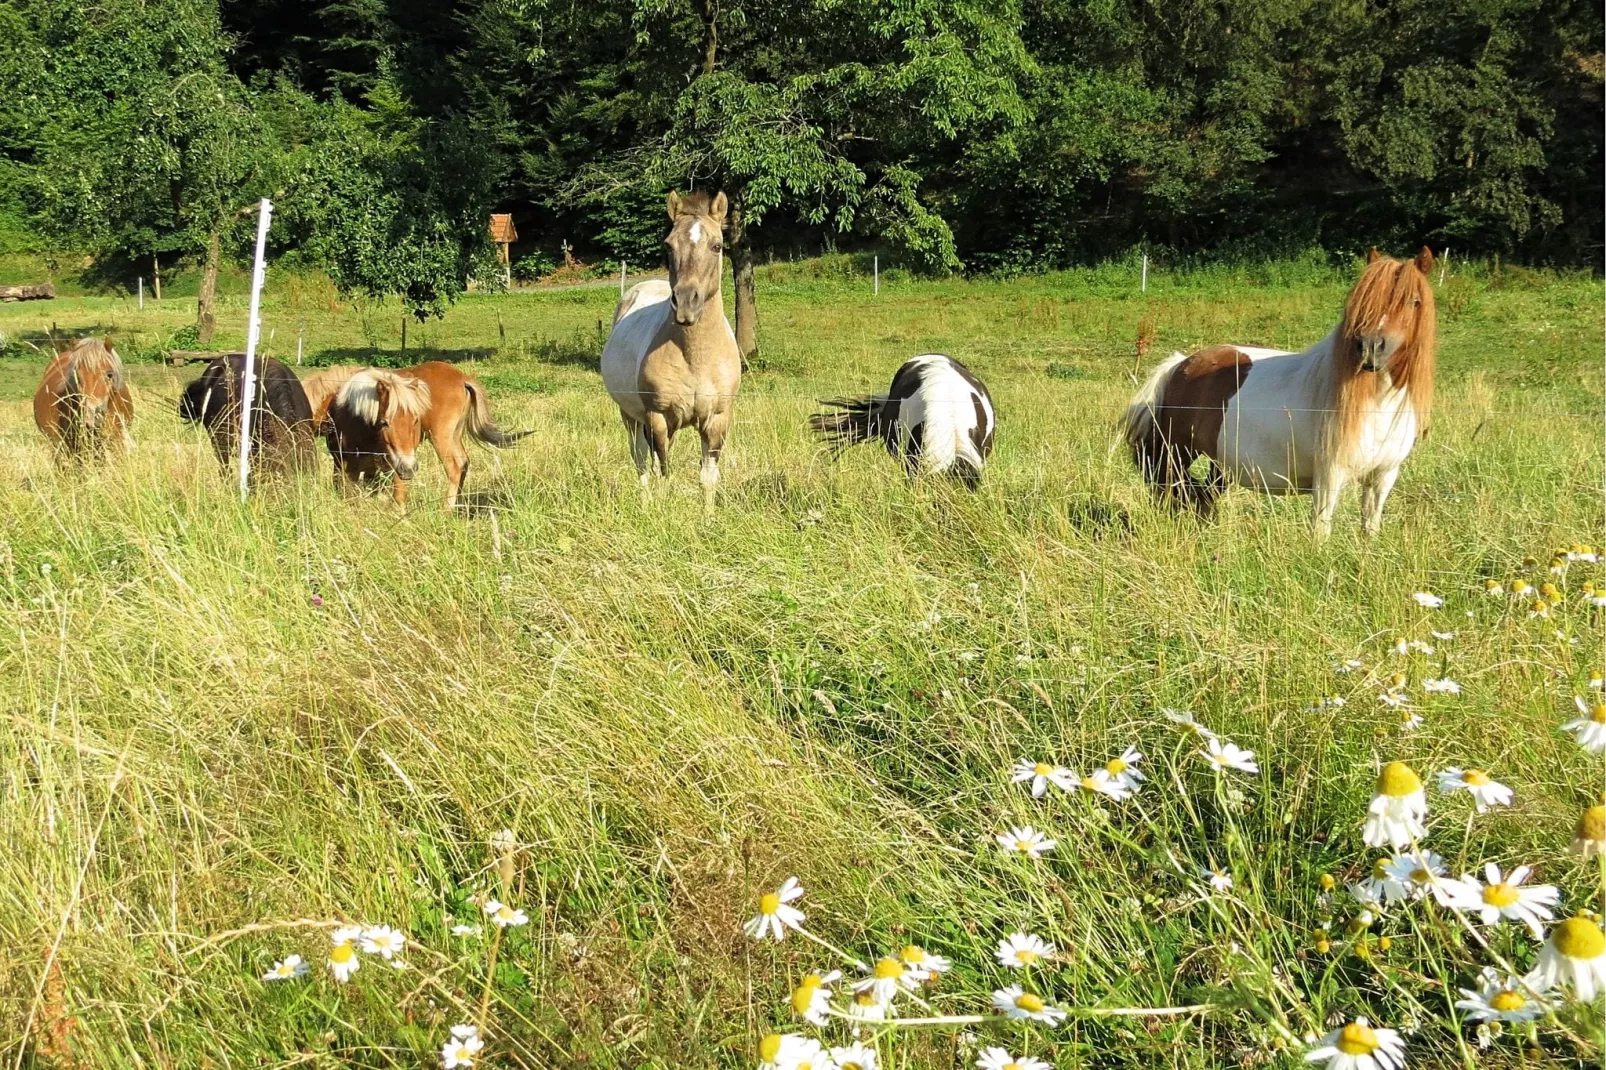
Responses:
[621,277]
[877,269]
[1444,264]
[142,293]
[1143,286]
[253,331]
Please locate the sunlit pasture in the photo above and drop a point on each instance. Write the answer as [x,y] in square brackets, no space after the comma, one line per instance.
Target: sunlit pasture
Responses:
[566,740]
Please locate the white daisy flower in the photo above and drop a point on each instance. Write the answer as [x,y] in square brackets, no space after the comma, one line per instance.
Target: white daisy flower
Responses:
[1015,1002]
[343,958]
[1368,893]
[1348,665]
[1575,956]
[792,1052]
[1485,790]
[1590,729]
[1041,775]
[775,915]
[1582,553]
[1589,838]
[922,962]
[1521,589]
[1000,1059]
[1419,647]
[855,1057]
[1595,596]
[1504,898]
[864,1008]
[503,840]
[1441,686]
[1400,646]
[1502,998]
[1394,699]
[465,930]
[1410,720]
[1383,886]
[1493,589]
[384,941]
[1219,879]
[1327,702]
[1100,782]
[462,1048]
[1427,600]
[1597,681]
[292,967]
[1418,872]
[505,916]
[888,977]
[1017,951]
[1230,756]
[1358,1046]
[811,999]
[1124,770]
[1443,637]
[1396,813]
[1184,720]
[1024,839]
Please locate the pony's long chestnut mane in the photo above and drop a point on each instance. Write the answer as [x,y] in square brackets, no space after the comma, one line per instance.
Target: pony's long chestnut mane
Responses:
[1400,291]
[359,395]
[92,357]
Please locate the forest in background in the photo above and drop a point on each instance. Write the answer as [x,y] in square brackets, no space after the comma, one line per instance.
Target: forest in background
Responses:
[1005,136]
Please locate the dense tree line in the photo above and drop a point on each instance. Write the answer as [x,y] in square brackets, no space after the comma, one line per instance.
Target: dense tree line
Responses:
[1001,135]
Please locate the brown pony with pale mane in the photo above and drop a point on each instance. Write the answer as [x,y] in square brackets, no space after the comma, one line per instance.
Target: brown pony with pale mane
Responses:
[378,418]
[82,405]
[1350,408]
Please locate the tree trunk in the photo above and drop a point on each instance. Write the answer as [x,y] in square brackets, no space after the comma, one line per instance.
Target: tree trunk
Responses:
[156,275]
[742,269]
[710,16]
[206,312]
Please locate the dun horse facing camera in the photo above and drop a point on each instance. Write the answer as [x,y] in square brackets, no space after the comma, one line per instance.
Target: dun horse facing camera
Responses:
[1348,409]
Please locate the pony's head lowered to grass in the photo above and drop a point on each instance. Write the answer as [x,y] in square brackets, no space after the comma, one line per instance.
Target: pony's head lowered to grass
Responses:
[393,406]
[694,252]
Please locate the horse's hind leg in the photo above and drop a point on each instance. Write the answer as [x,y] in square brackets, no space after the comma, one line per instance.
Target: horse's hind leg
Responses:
[640,449]
[455,461]
[657,432]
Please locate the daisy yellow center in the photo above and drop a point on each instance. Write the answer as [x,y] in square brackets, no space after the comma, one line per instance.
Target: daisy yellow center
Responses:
[1500,895]
[1579,938]
[1398,780]
[864,999]
[1012,1066]
[888,970]
[1357,1039]
[1116,767]
[1593,824]
[803,995]
[914,956]
[851,1064]
[1490,585]
[1023,845]
[342,954]
[1089,783]
[1026,956]
[808,1065]
[767,904]
[1042,769]
[1598,714]
[505,913]
[1029,1003]
[1508,1001]
[769,1047]
[1476,777]
[1421,876]
[1378,870]
[1399,679]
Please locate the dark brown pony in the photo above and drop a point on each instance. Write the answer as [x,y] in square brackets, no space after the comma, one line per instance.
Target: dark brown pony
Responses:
[82,404]
[1348,409]
[282,428]
[378,418]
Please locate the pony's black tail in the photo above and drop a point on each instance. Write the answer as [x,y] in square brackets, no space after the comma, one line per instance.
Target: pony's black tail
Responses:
[479,419]
[850,421]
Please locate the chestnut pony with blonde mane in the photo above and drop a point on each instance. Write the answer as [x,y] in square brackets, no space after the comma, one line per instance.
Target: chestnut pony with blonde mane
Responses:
[378,418]
[82,404]
[1350,408]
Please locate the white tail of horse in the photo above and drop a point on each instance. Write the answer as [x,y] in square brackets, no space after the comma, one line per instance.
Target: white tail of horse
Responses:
[1137,423]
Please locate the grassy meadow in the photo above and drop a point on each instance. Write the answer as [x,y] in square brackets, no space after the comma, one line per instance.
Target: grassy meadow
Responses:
[227,728]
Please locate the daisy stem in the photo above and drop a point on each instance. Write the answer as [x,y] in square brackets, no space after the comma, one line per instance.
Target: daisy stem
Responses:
[1466,842]
[855,963]
[490,978]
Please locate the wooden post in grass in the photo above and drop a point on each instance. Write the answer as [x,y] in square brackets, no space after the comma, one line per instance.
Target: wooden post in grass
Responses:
[156,276]
[253,332]
[404,334]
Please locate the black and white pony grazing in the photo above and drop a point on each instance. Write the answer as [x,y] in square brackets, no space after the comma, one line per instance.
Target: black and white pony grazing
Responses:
[936,415]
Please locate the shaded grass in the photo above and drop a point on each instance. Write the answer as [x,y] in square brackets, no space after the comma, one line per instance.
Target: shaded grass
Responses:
[829,680]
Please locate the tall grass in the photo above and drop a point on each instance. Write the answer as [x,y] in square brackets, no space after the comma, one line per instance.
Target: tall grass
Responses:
[227,726]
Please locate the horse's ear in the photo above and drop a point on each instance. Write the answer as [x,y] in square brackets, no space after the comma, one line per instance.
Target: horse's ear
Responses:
[674,206]
[1424,260]
[717,209]
[107,342]
[1373,256]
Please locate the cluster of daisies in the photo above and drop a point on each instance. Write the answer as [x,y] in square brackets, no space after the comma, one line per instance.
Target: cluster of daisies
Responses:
[1541,599]
[877,994]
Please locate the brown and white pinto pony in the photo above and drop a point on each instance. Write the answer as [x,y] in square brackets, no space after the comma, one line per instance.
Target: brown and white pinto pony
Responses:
[378,418]
[671,360]
[1349,408]
[82,404]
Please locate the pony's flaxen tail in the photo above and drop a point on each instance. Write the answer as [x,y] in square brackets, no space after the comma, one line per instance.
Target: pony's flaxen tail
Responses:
[479,419]
[1138,425]
[849,421]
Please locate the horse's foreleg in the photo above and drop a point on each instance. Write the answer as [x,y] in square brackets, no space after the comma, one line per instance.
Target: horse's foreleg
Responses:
[657,431]
[1324,500]
[713,435]
[1374,492]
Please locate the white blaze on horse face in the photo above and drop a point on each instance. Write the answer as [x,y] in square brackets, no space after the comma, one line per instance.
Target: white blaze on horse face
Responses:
[696,232]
